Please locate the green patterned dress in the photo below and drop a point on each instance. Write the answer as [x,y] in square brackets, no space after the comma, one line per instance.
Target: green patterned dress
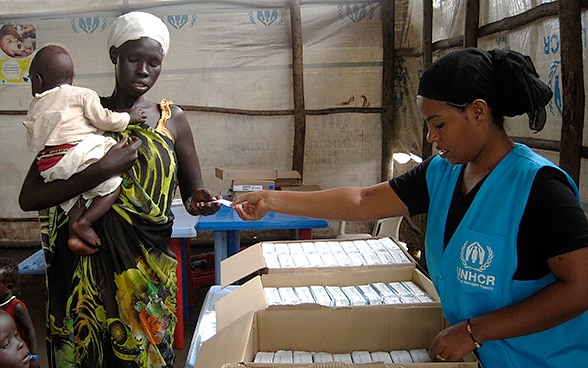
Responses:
[116,308]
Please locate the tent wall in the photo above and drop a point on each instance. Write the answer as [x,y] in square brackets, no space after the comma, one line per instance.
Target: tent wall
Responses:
[230,68]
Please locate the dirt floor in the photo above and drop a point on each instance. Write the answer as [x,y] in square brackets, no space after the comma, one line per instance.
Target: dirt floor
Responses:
[31,290]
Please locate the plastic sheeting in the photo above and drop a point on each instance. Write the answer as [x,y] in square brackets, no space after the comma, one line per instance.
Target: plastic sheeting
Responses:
[238,55]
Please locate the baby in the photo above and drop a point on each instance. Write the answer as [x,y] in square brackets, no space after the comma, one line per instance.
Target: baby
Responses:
[14,353]
[17,41]
[65,125]
[16,325]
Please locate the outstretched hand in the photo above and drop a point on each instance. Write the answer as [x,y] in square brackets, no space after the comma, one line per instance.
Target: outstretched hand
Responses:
[200,203]
[251,206]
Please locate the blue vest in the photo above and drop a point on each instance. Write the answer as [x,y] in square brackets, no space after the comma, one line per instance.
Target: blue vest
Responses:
[474,275]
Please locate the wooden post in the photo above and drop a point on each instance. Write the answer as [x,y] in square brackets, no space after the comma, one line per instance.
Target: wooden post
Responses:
[427,59]
[472,22]
[387,88]
[572,80]
[298,85]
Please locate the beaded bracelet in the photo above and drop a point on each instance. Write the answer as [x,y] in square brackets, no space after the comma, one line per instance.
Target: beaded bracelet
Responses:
[469,329]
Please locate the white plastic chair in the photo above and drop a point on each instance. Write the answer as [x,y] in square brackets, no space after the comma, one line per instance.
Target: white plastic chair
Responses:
[343,235]
[389,227]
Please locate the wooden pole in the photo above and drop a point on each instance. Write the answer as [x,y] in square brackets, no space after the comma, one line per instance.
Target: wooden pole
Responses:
[387,88]
[572,81]
[298,86]
[472,22]
[427,58]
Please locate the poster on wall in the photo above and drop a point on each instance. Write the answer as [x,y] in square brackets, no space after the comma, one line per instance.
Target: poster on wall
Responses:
[17,44]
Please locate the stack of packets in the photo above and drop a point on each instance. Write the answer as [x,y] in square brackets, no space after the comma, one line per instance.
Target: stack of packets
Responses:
[378,293]
[275,318]
[356,357]
[334,253]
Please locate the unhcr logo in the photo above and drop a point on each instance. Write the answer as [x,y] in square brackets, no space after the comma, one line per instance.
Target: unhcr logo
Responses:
[475,259]
[88,24]
[474,256]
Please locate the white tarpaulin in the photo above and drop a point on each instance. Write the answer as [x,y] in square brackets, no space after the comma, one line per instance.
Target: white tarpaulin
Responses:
[238,55]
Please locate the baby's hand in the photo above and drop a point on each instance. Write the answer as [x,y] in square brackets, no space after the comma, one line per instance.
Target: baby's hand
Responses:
[137,115]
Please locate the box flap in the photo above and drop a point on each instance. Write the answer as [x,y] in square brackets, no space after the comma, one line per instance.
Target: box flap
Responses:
[331,330]
[232,344]
[342,330]
[242,264]
[339,276]
[248,297]
[426,283]
[252,260]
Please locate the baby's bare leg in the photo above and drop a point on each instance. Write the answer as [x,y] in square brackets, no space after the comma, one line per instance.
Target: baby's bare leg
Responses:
[82,226]
[77,245]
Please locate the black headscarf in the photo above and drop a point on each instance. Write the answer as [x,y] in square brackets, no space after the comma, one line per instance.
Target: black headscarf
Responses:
[505,79]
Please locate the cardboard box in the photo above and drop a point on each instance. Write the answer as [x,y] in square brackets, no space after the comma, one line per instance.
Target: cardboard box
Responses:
[288,178]
[250,297]
[247,325]
[345,365]
[301,188]
[251,260]
[466,364]
[246,174]
[325,329]
[241,185]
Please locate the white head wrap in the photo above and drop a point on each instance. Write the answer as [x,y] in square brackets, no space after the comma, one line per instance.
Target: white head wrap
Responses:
[135,25]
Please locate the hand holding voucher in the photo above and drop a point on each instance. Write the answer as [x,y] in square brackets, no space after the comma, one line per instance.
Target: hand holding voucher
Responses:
[252,205]
[203,202]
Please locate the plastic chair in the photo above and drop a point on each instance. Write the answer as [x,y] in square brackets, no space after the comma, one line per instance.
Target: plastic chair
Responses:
[389,227]
[343,235]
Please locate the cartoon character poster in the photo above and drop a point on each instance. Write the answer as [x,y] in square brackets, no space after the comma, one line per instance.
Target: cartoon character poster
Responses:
[17,44]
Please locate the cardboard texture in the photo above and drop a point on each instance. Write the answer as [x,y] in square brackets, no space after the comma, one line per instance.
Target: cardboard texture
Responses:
[288,178]
[245,174]
[247,325]
[346,365]
[301,188]
[339,330]
[250,185]
[250,296]
[288,174]
[251,260]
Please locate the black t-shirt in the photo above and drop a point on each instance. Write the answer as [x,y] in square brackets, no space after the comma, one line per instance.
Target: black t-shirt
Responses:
[553,222]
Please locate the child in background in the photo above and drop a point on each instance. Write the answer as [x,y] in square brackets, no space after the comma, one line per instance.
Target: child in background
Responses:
[14,353]
[16,309]
[65,125]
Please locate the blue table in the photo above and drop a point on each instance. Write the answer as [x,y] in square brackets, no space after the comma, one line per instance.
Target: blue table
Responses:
[227,226]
